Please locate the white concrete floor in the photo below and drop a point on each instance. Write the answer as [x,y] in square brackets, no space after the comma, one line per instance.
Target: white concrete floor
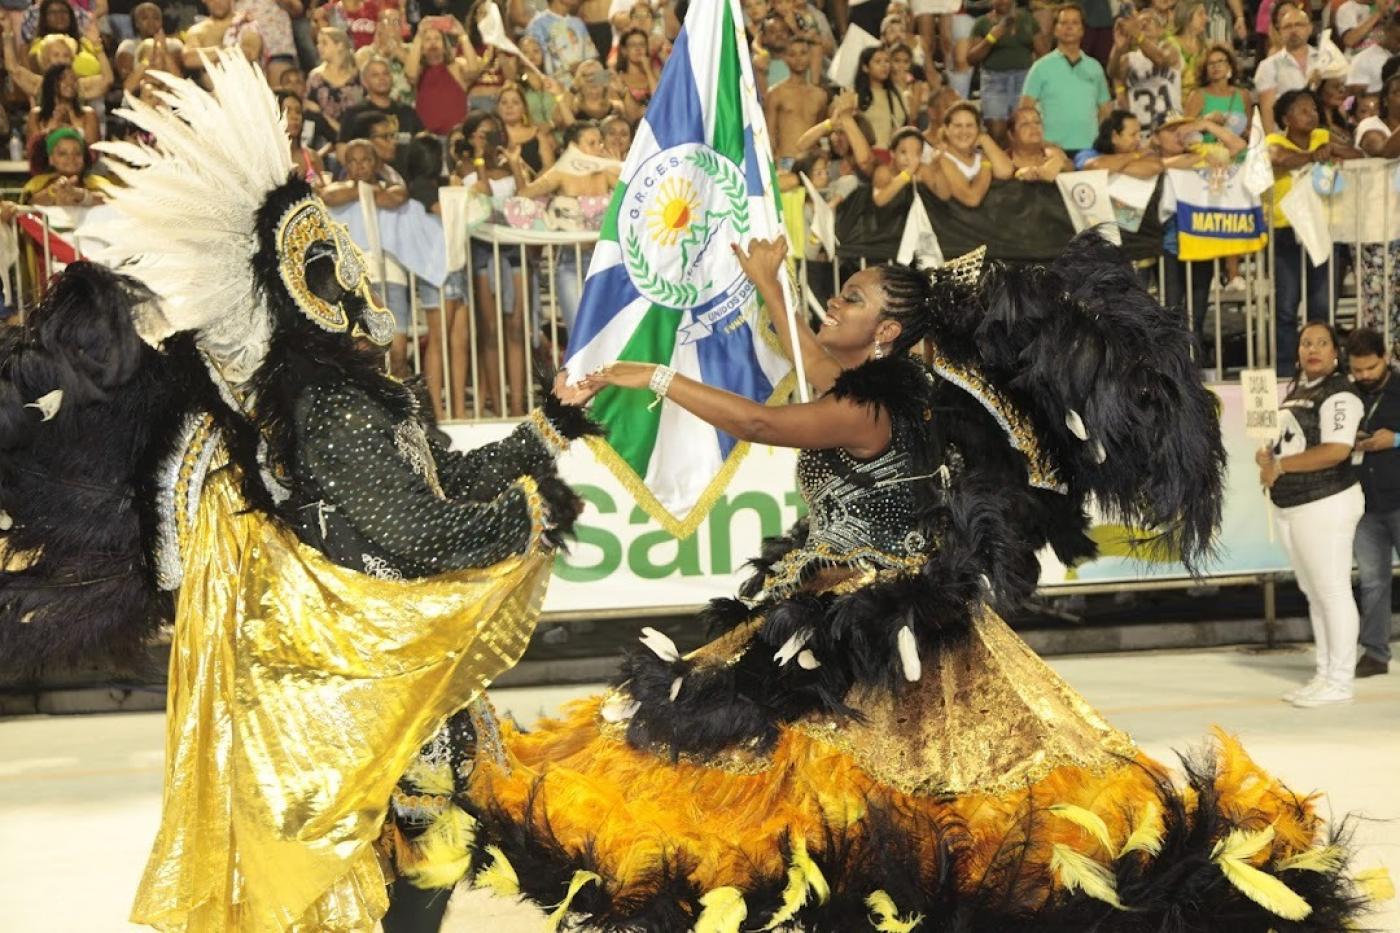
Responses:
[79,796]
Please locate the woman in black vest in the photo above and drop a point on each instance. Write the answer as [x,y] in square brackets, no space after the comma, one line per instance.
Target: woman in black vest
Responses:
[1310,478]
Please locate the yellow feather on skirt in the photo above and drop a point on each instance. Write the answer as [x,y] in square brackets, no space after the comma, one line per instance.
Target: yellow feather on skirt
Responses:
[733,823]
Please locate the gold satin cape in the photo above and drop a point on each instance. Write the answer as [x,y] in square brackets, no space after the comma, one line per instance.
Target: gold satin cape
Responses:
[299,691]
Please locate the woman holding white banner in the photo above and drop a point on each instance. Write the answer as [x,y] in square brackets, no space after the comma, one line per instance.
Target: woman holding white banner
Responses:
[1308,472]
[866,744]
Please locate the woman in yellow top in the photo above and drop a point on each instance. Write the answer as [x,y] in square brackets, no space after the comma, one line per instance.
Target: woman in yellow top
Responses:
[1301,143]
[57,18]
[64,177]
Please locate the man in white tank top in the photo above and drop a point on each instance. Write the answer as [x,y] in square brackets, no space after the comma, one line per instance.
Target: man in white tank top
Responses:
[1148,66]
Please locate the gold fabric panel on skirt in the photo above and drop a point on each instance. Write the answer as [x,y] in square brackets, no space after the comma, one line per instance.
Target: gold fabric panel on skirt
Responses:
[987,717]
[299,691]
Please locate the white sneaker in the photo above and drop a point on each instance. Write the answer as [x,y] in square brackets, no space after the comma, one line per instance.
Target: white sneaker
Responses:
[1330,693]
[1236,285]
[1311,686]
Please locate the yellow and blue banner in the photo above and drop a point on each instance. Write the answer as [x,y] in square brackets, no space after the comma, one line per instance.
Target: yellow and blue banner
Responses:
[1215,214]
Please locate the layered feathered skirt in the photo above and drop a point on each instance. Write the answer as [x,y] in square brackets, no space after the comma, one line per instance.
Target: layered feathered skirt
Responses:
[988,795]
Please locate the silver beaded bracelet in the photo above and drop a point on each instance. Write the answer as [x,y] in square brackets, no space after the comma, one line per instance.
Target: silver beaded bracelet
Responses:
[661,380]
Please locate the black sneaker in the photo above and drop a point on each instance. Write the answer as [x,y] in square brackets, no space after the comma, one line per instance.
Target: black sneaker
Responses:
[1370,667]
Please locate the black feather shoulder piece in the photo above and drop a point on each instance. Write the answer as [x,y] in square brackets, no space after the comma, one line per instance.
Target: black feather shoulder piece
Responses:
[900,384]
[1107,379]
[906,389]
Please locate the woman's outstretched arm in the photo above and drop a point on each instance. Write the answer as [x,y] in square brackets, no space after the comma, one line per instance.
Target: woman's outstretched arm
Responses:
[826,423]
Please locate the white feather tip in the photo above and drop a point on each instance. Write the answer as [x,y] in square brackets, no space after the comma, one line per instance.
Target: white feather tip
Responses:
[909,655]
[660,645]
[48,404]
[1076,425]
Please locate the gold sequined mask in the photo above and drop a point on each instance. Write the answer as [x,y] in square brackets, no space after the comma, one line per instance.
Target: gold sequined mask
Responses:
[307,237]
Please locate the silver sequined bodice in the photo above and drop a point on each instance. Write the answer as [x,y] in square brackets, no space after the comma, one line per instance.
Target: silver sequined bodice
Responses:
[860,512]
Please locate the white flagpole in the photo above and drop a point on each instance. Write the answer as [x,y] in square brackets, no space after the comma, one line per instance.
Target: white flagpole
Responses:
[790,301]
[762,143]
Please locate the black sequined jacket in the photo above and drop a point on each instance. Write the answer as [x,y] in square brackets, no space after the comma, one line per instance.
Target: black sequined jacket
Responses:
[322,441]
[383,496]
[344,457]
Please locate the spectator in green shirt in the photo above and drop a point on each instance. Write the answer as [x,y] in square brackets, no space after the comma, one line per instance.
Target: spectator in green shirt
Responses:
[1004,46]
[1068,86]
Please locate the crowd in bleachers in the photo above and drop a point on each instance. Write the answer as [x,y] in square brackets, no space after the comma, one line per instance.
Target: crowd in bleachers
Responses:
[872,102]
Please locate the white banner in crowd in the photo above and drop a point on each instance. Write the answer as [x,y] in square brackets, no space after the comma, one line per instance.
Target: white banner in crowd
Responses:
[846,61]
[1088,202]
[823,226]
[623,560]
[493,32]
[1216,214]
[1365,207]
[1258,173]
[408,234]
[1331,61]
[1130,197]
[455,204]
[1354,202]
[919,241]
[374,241]
[1308,217]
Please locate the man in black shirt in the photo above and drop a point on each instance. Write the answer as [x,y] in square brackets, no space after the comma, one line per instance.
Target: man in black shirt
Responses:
[1378,534]
[378,80]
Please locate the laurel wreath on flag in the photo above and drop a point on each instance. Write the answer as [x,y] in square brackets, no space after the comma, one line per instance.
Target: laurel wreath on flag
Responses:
[673,294]
[726,176]
[730,182]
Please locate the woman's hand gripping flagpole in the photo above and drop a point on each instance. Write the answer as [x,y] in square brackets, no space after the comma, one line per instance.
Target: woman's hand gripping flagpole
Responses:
[765,263]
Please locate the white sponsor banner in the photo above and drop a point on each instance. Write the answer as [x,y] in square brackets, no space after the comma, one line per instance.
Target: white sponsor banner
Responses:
[623,560]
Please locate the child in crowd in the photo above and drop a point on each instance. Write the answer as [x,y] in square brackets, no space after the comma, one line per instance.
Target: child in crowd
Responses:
[484,163]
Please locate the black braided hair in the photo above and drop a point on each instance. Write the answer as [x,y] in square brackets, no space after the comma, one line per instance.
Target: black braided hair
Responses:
[908,302]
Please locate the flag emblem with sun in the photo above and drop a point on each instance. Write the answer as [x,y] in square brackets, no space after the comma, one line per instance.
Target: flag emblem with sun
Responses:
[682,210]
[672,213]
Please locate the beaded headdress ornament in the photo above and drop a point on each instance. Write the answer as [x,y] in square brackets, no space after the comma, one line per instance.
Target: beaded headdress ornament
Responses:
[184,219]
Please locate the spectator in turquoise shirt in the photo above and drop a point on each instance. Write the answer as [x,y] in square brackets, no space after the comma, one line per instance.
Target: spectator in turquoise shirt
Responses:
[1068,86]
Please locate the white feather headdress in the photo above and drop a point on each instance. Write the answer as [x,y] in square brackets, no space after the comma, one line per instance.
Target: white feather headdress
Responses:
[185,222]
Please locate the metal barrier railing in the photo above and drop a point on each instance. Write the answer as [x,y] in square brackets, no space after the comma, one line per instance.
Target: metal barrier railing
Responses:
[25,286]
[477,352]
